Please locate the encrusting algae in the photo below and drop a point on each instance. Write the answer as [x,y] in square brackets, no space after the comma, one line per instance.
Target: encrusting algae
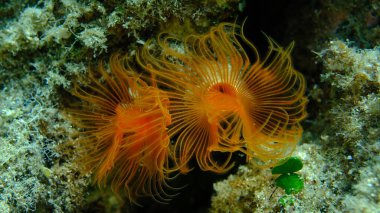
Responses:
[200,95]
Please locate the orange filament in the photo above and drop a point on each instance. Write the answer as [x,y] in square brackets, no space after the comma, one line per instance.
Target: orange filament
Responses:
[125,122]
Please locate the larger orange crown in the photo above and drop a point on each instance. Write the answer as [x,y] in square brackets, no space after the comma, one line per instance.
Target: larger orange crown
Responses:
[222,102]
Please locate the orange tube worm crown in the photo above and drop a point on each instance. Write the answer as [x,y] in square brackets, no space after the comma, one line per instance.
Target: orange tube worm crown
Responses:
[124,139]
[220,101]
